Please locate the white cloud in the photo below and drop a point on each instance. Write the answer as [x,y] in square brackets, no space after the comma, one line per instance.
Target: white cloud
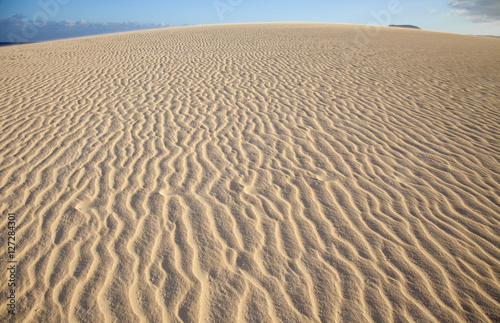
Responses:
[476,10]
[68,23]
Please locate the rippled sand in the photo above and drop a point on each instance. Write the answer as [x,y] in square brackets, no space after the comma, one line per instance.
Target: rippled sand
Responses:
[260,172]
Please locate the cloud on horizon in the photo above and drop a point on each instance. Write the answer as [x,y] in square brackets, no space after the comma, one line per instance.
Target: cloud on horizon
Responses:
[19,29]
[476,10]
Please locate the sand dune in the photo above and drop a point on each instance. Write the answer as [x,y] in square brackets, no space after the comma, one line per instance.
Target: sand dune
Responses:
[260,172]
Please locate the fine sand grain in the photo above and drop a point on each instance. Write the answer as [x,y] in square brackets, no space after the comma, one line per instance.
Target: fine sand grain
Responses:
[260,172]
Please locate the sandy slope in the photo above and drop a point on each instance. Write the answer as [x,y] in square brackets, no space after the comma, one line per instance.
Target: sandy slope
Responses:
[267,172]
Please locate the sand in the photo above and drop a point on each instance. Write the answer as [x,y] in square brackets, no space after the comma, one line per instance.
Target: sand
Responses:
[253,172]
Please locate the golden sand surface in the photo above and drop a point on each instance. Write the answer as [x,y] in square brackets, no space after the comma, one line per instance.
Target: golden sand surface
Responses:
[283,172]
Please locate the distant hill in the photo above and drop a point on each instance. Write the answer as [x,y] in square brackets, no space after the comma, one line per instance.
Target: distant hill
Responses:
[9,43]
[490,36]
[405,26]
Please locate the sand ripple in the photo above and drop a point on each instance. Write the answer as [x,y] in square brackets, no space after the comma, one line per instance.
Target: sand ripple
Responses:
[268,172]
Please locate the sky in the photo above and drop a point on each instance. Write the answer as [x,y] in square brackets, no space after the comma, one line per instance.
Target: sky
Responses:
[38,20]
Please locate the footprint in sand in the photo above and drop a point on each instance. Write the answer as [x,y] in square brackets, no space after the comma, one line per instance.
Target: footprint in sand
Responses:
[325,178]
[250,190]
[81,206]
[167,192]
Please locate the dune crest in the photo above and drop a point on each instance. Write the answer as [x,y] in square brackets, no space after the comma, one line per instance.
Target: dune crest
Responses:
[255,172]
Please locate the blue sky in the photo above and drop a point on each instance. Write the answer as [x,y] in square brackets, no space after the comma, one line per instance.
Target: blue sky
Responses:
[34,20]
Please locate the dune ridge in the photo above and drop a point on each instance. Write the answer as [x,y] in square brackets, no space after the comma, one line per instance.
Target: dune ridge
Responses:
[256,172]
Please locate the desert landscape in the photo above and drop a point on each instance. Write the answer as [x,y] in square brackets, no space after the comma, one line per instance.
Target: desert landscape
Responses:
[275,172]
